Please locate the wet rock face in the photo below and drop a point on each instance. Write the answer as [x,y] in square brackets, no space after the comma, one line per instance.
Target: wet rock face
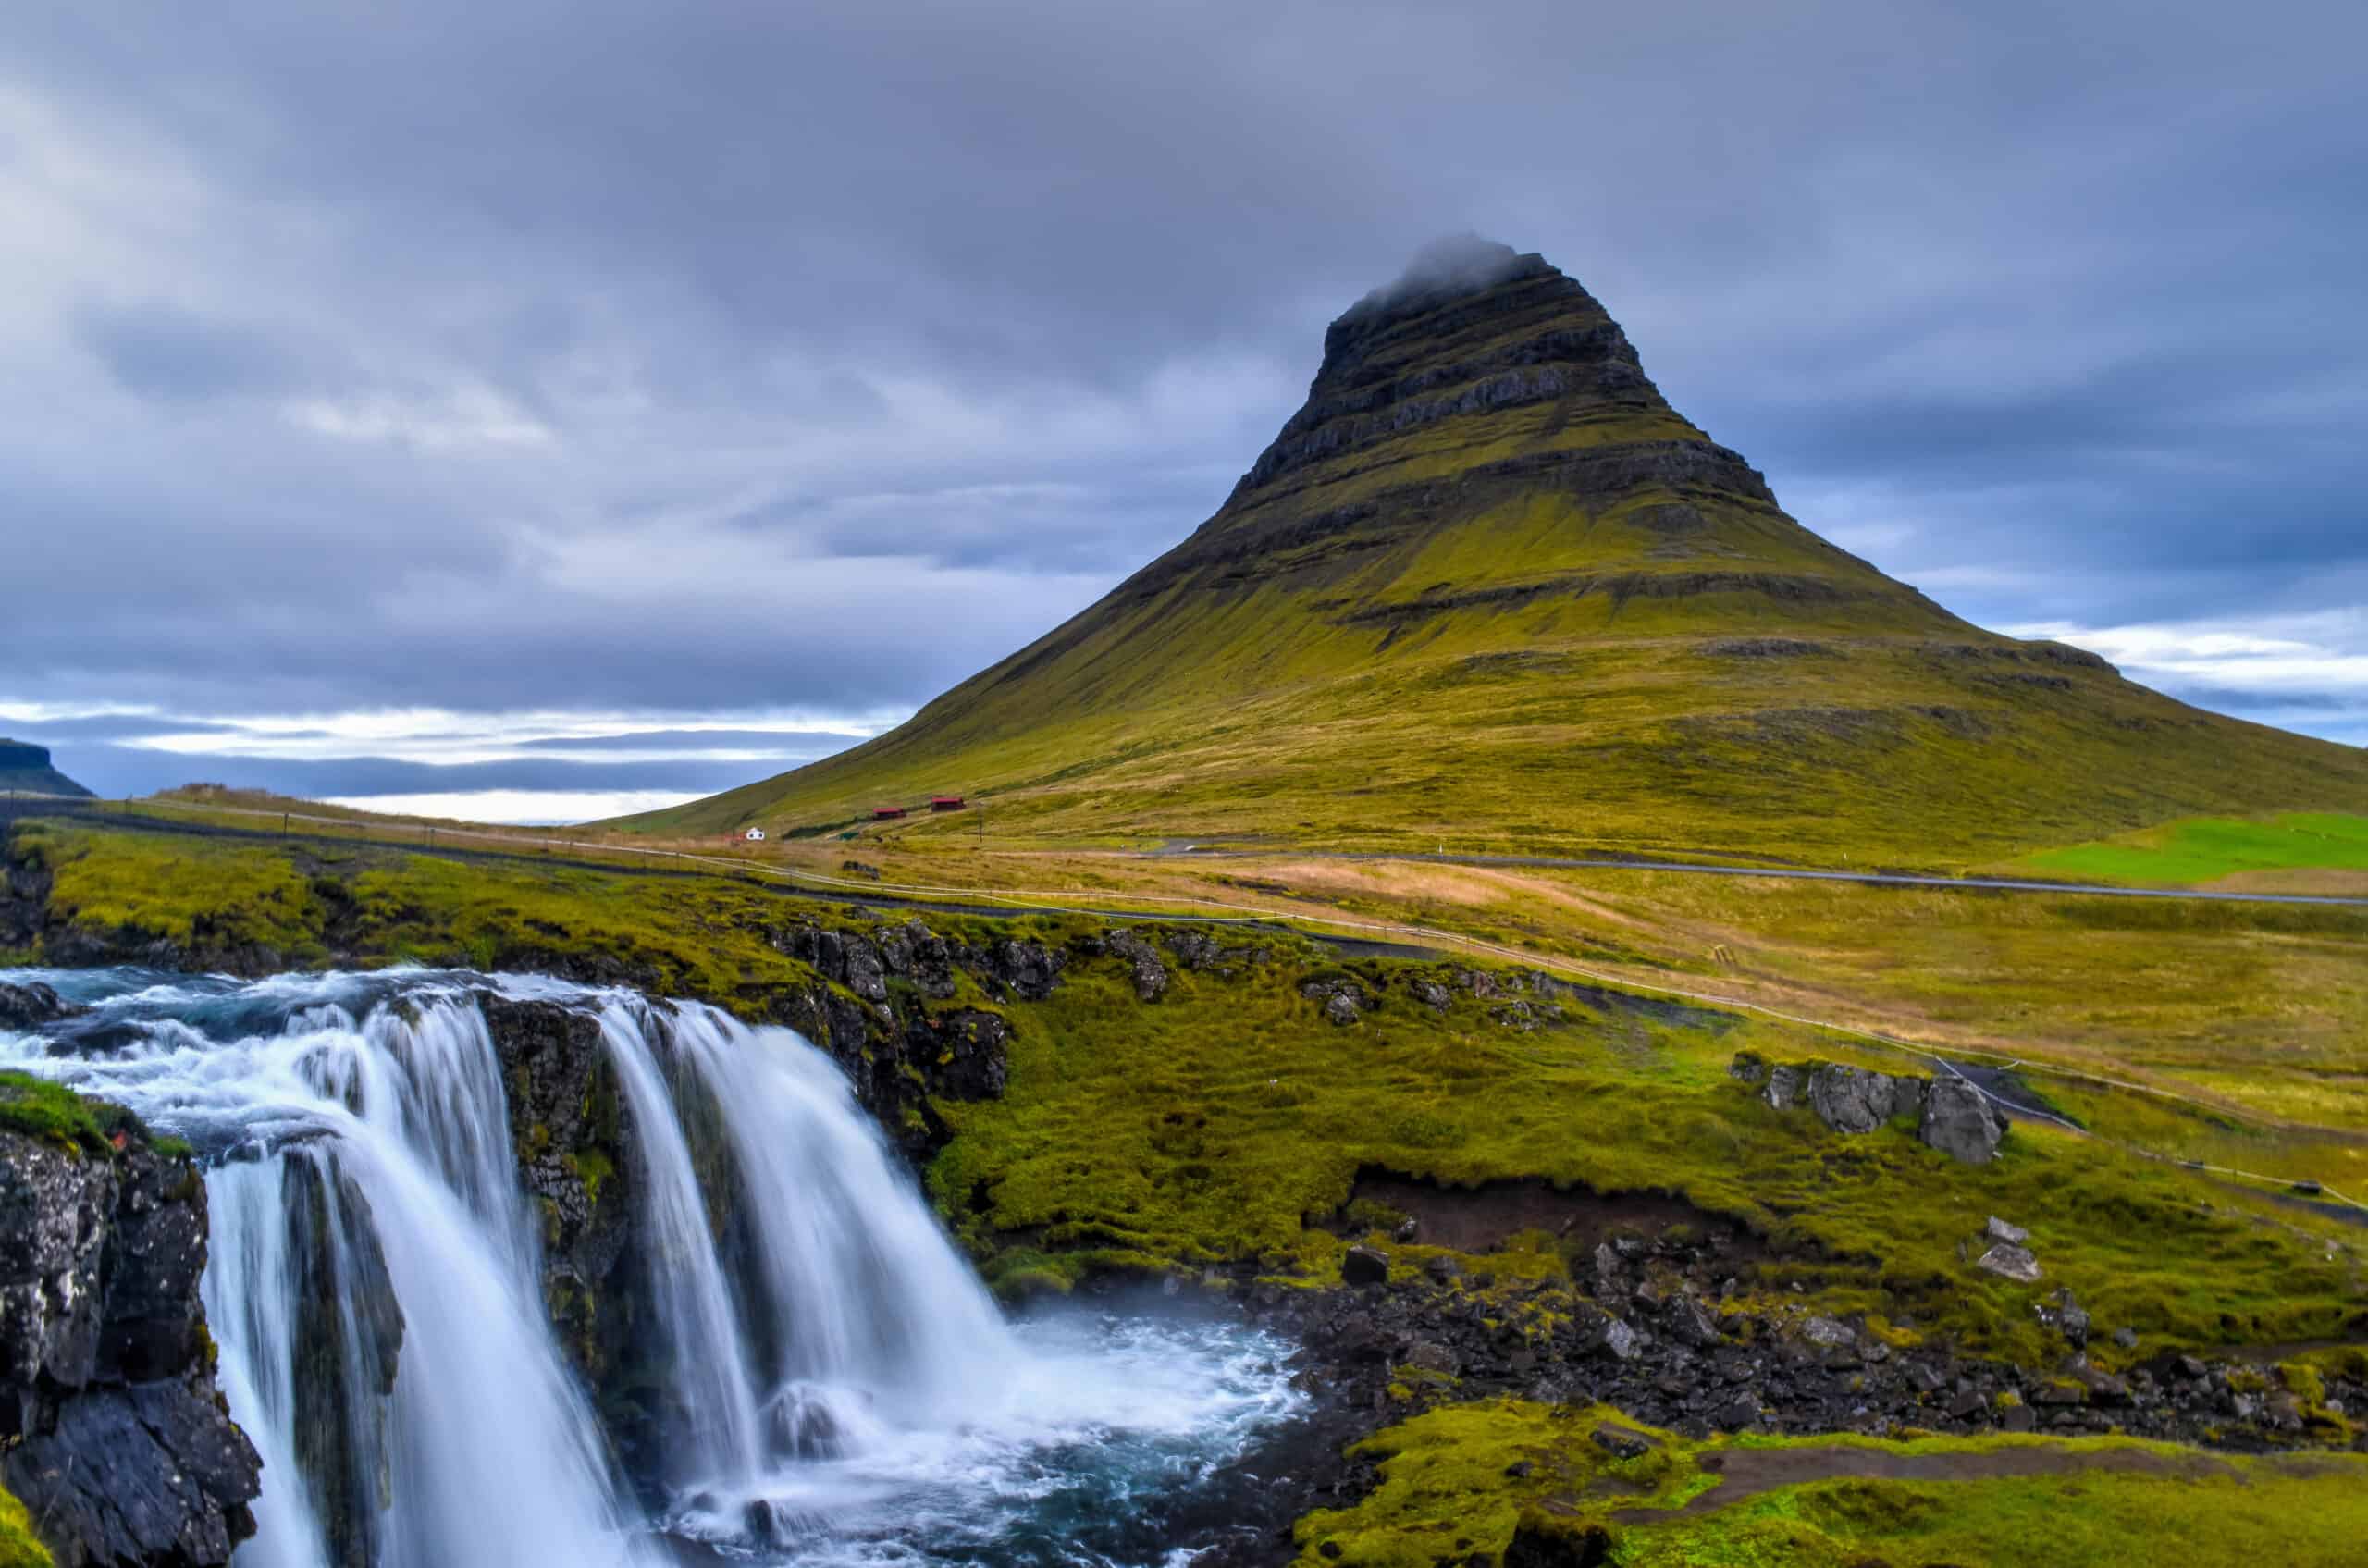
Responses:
[33,1005]
[348,1339]
[578,1163]
[116,1437]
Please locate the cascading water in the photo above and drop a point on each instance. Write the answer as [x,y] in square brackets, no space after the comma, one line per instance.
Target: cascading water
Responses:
[837,1387]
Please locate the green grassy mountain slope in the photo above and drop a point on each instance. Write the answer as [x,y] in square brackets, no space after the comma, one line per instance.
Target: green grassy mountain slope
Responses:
[25,770]
[1488,586]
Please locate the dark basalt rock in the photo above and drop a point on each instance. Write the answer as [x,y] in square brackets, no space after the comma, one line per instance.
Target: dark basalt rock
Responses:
[1029,968]
[32,1004]
[579,1161]
[115,1434]
[1149,975]
[349,1341]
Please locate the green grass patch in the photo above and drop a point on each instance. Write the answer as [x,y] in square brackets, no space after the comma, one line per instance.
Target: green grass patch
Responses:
[1215,1124]
[1457,1483]
[19,1547]
[2205,849]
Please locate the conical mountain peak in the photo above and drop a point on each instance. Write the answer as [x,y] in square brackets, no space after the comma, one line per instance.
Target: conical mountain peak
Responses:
[1487,581]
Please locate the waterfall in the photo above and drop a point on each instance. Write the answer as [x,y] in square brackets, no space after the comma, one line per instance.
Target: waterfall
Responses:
[374,1289]
[713,1388]
[831,1379]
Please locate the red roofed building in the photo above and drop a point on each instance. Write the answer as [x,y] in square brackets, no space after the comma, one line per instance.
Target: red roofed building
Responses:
[946,803]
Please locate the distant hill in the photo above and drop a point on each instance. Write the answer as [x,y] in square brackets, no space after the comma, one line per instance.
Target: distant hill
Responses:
[25,768]
[1486,585]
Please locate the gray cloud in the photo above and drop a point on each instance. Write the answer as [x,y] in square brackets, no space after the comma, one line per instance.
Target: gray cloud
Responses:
[715,357]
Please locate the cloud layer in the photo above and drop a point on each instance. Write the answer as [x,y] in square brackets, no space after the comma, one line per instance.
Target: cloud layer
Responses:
[717,360]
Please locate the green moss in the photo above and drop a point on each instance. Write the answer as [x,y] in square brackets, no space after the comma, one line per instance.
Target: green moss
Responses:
[593,1169]
[18,1546]
[1458,1482]
[56,1115]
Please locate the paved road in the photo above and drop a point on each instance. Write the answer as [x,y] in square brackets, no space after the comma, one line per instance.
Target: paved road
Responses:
[1879,879]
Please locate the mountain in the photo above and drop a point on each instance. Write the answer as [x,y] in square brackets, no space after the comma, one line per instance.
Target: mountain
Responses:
[24,769]
[1487,587]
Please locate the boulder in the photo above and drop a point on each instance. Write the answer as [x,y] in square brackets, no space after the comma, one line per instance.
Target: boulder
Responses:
[1149,975]
[1031,969]
[1619,1442]
[32,1004]
[1851,1100]
[1365,1265]
[2010,1261]
[1999,1230]
[1194,949]
[1784,1086]
[1959,1122]
[1343,1000]
[1748,1066]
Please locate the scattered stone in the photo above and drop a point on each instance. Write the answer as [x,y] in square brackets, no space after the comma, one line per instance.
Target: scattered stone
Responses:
[2018,1419]
[1619,1442]
[2010,1261]
[1443,1268]
[1749,1067]
[1959,1122]
[2127,1339]
[2059,1391]
[1408,1228]
[1829,1333]
[2071,1319]
[1365,1265]
[1689,1324]
[1432,994]
[1343,1000]
[1999,1230]
[1429,1357]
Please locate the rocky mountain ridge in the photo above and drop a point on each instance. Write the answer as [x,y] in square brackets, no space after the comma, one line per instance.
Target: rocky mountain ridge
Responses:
[1486,583]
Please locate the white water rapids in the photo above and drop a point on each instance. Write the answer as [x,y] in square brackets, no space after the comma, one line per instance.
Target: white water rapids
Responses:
[841,1388]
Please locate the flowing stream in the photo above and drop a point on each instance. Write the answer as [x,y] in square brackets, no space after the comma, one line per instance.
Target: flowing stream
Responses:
[838,1388]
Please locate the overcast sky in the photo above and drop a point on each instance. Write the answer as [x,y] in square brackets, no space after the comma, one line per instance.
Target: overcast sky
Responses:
[605,402]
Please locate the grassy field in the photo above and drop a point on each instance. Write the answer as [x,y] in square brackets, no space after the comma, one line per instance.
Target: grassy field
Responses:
[1215,1124]
[2204,851]
[1459,1483]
